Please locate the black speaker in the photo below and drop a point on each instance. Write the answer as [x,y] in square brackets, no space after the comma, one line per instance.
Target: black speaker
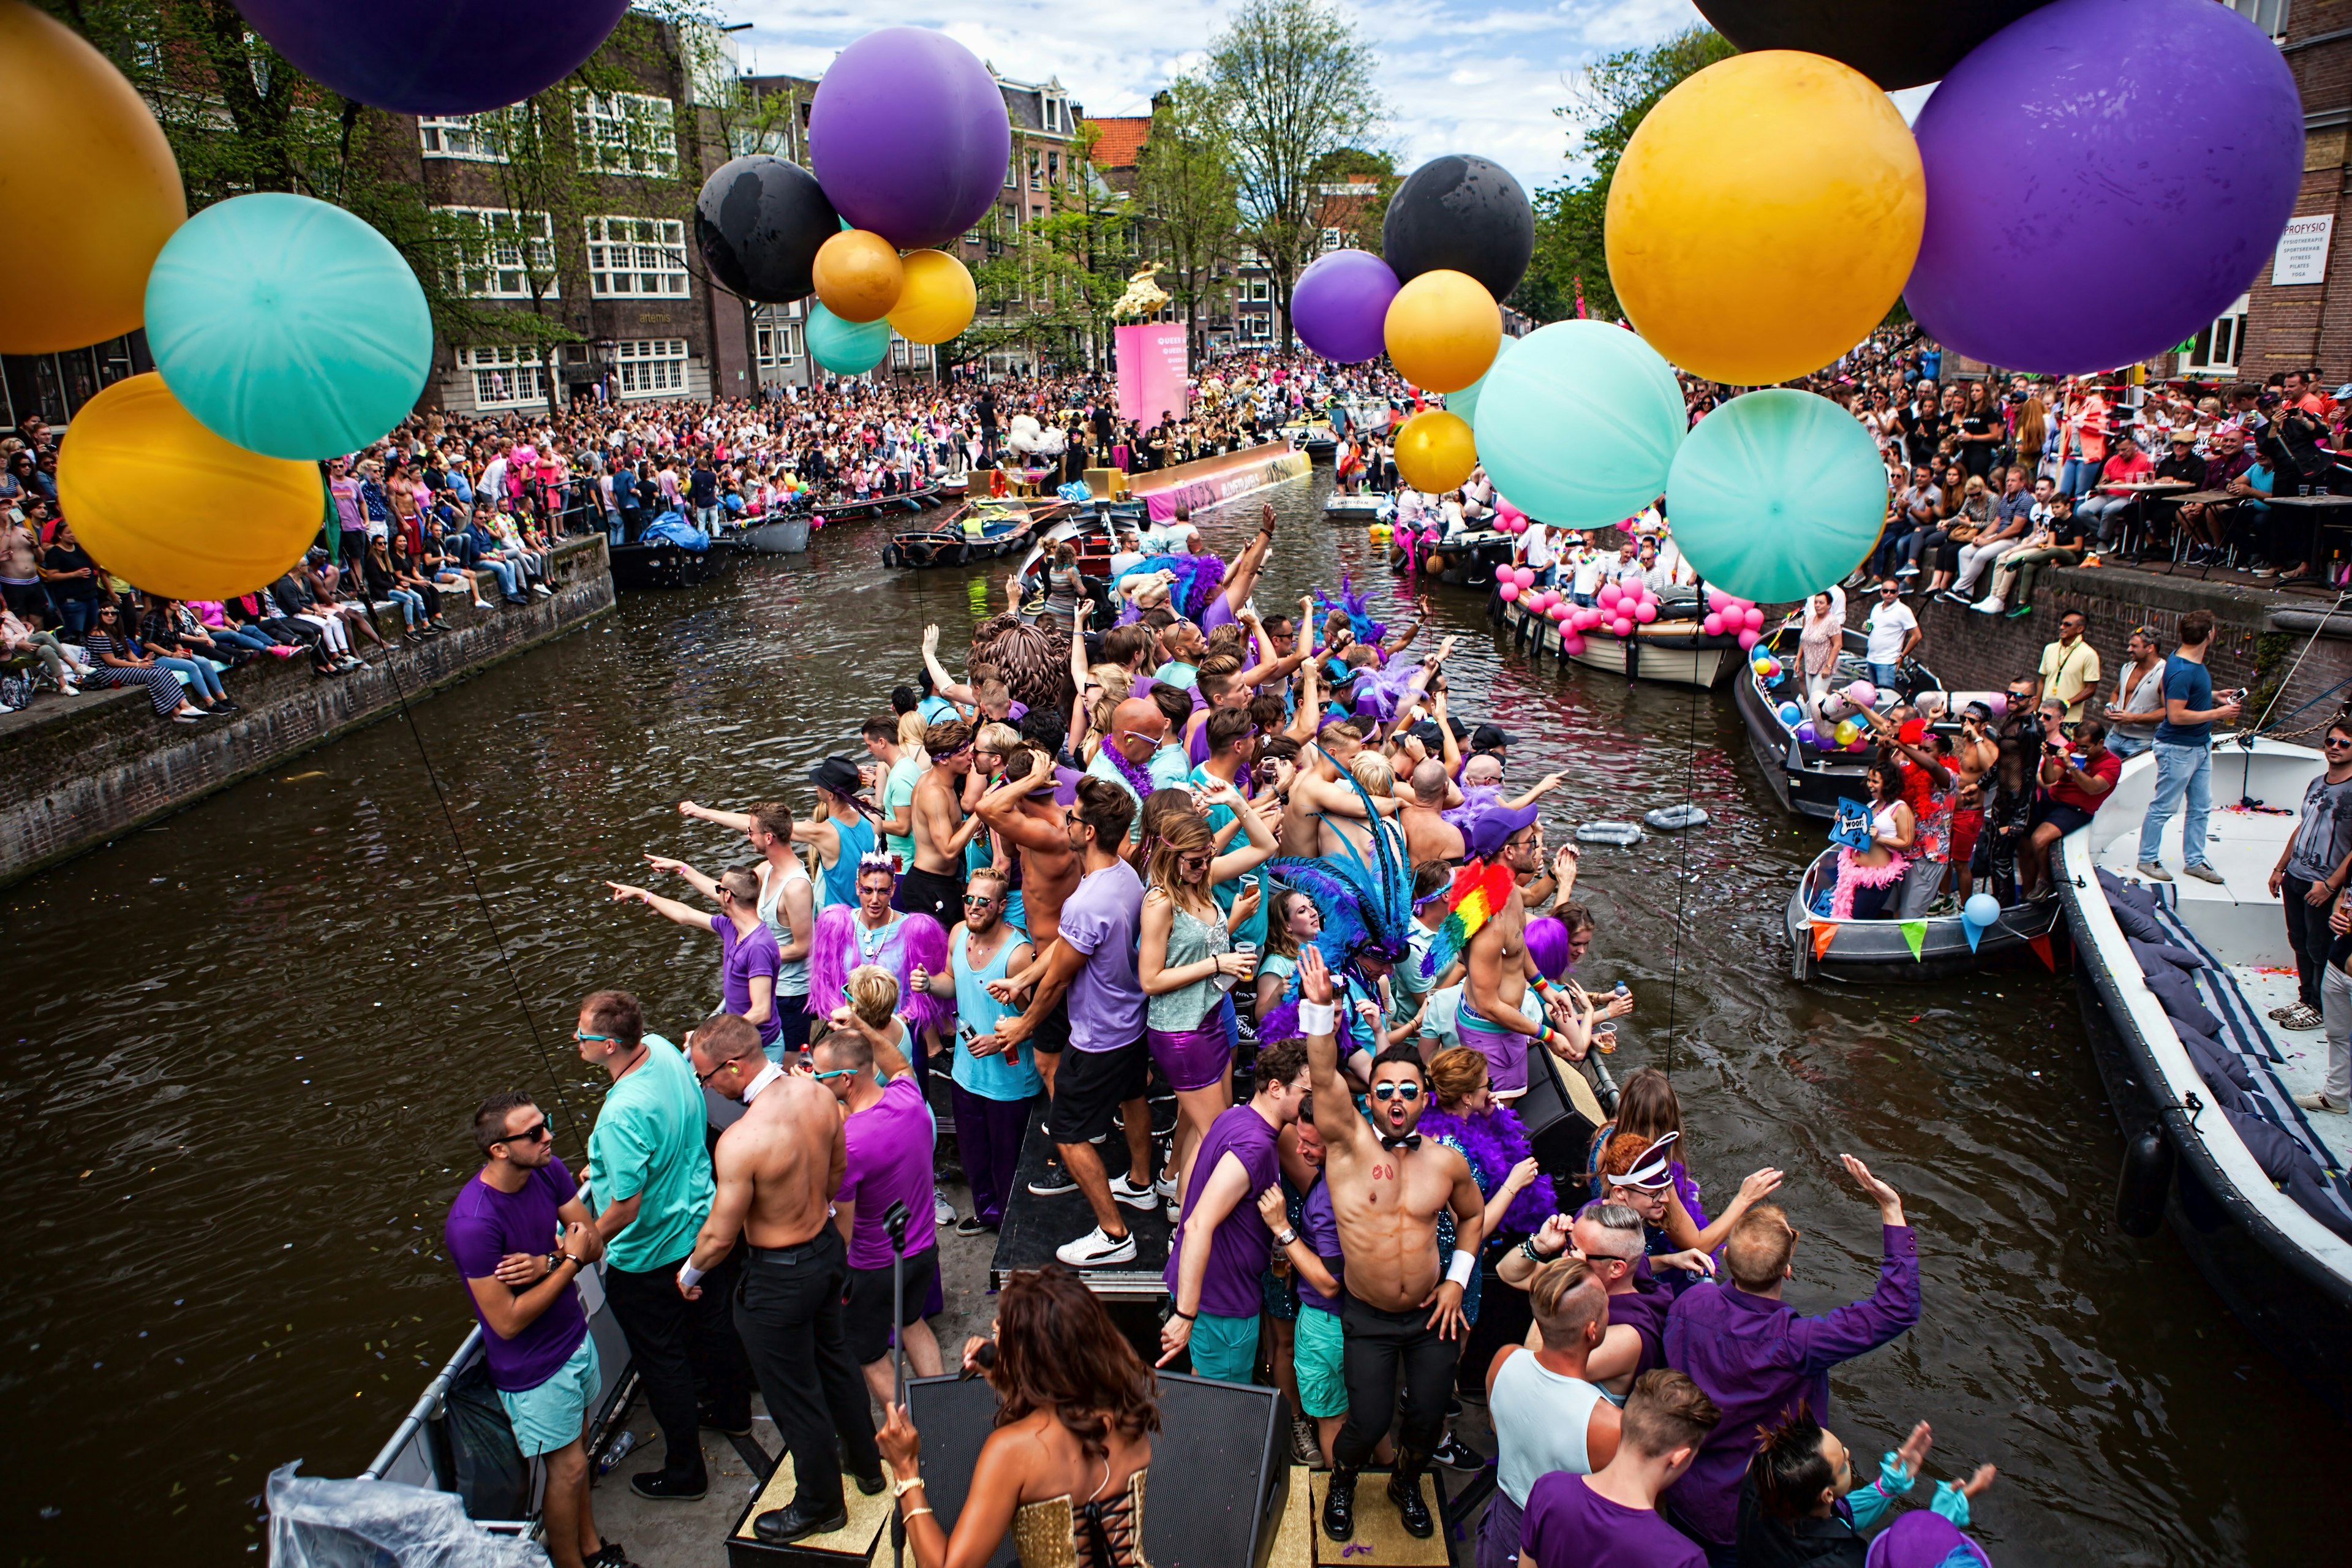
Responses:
[1220,1467]
[1559,1134]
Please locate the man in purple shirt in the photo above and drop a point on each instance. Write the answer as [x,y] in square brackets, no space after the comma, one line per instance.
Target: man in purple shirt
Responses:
[1092,963]
[1222,1242]
[749,956]
[502,1235]
[1757,1359]
[1609,1517]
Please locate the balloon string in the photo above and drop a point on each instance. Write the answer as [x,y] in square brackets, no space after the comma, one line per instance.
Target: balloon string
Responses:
[1682,876]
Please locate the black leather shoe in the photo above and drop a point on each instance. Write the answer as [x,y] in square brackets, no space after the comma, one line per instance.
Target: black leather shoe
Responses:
[779,1526]
[732,1427]
[660,1487]
[874,1483]
[1339,1505]
[1404,1491]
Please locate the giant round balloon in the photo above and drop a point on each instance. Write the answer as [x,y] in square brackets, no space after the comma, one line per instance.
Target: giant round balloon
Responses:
[1764,216]
[1891,43]
[759,221]
[1340,303]
[90,177]
[937,302]
[1578,424]
[845,348]
[1466,402]
[435,57]
[158,500]
[858,276]
[288,326]
[1776,495]
[2072,134]
[908,132]
[1442,329]
[1434,451]
[1465,214]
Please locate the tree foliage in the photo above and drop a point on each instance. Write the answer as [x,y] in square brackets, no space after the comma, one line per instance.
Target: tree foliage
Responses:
[1186,201]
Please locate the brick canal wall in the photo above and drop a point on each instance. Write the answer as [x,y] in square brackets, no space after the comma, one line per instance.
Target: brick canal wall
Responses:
[76,772]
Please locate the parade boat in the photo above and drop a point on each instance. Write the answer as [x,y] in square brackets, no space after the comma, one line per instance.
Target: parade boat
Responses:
[1467,560]
[1810,780]
[879,506]
[656,562]
[780,534]
[1895,951]
[1674,648]
[978,531]
[1362,507]
[2177,981]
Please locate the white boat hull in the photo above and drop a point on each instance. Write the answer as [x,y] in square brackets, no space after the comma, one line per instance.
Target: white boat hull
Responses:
[788,536]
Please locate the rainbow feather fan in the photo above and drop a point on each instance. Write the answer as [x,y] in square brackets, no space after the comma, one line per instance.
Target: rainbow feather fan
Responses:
[1477,895]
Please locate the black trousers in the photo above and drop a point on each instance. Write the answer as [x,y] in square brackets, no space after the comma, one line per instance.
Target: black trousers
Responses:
[931,893]
[681,1346]
[1379,1346]
[788,1309]
[2308,934]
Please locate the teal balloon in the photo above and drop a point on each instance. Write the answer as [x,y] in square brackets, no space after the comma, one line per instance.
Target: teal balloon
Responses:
[845,348]
[1777,495]
[1466,402]
[288,326]
[1578,426]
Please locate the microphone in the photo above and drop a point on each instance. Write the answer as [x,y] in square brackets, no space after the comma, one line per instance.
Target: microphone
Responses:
[981,1360]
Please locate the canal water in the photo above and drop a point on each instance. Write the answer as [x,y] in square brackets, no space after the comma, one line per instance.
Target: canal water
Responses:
[243,1045]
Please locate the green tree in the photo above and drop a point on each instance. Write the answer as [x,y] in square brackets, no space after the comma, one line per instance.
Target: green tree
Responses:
[1293,83]
[1185,201]
[1609,101]
[1360,218]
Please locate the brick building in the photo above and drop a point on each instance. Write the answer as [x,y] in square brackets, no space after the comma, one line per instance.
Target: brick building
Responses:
[2298,312]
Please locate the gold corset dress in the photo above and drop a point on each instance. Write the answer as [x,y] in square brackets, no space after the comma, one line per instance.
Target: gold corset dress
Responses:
[1058,1533]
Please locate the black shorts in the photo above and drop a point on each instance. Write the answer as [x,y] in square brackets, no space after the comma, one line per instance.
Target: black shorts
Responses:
[1092,1085]
[866,1303]
[2067,817]
[792,1012]
[930,893]
[1052,1035]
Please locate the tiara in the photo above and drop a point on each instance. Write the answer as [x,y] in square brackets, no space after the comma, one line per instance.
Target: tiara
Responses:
[875,861]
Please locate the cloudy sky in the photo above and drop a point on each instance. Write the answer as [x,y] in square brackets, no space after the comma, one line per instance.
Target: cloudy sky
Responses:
[1460,76]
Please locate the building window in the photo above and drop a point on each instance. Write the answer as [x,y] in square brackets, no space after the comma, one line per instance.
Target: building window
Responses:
[779,343]
[503,253]
[636,258]
[1036,179]
[625,133]
[505,377]
[2218,348]
[649,367]
[2269,16]
[1330,239]
[478,137]
[1053,168]
[1012,173]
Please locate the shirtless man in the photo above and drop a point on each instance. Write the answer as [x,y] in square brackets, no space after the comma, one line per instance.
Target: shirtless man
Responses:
[777,1169]
[1400,1313]
[20,568]
[1427,834]
[1318,795]
[934,885]
[1493,1019]
[1031,811]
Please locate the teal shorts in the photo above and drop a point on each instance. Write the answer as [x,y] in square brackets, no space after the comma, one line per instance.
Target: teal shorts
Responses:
[1225,1348]
[1318,1353]
[553,1415]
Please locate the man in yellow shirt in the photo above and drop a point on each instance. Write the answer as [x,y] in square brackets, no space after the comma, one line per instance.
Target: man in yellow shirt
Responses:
[2070,667]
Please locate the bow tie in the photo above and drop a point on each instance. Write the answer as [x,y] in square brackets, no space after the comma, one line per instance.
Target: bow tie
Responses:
[1408,1142]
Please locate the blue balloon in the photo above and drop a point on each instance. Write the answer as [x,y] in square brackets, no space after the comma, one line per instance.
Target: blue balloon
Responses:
[288,326]
[1981,909]
[1466,402]
[1791,715]
[1776,495]
[1578,424]
[846,348]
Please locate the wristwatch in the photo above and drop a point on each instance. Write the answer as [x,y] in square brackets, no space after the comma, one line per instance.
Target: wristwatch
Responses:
[554,1258]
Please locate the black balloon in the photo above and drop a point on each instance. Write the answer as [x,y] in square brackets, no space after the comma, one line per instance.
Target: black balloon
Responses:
[760,221]
[1892,44]
[1463,214]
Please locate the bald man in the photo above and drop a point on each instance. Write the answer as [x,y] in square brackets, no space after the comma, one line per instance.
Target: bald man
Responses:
[1427,834]
[1145,761]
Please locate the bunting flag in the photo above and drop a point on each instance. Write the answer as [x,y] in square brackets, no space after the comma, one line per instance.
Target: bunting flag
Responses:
[1825,933]
[1976,933]
[2040,945]
[1914,936]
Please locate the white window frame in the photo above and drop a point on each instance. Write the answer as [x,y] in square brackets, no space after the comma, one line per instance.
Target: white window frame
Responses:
[635,257]
[514,245]
[473,138]
[2269,16]
[2227,331]
[777,343]
[648,367]
[1329,240]
[505,375]
[625,133]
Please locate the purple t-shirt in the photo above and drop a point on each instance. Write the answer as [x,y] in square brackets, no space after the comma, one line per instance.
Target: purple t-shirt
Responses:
[1569,1525]
[1318,1227]
[1644,1309]
[889,1161]
[1239,1249]
[745,957]
[484,1226]
[1098,921]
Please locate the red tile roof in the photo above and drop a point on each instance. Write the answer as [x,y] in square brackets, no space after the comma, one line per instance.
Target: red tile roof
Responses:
[1120,140]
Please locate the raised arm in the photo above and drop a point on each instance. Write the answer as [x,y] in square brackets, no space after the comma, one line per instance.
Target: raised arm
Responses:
[693,878]
[943,683]
[1261,845]
[1893,1307]
[1336,1120]
[684,914]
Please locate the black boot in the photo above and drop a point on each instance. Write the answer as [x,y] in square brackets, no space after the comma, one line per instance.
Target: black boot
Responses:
[1340,1503]
[1404,1491]
[782,1526]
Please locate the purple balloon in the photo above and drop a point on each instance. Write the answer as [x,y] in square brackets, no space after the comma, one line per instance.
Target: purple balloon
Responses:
[1339,306]
[2104,178]
[909,136]
[435,57]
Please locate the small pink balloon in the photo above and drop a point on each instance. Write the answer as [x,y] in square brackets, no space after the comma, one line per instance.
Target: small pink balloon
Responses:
[1610,593]
[1646,611]
[1861,694]
[1509,590]
[1622,626]
[1557,613]
[1755,618]
[1748,639]
[1570,643]
[1861,743]
[1712,626]
[1524,575]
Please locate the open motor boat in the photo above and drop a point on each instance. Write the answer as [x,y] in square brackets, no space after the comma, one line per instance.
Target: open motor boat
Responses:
[978,531]
[1811,779]
[1674,648]
[1927,946]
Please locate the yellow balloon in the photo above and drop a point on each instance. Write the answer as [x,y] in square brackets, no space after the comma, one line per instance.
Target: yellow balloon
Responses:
[1434,451]
[158,500]
[1765,216]
[81,151]
[937,302]
[858,275]
[1443,329]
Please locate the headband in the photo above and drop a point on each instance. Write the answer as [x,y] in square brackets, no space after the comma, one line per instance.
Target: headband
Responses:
[1652,1170]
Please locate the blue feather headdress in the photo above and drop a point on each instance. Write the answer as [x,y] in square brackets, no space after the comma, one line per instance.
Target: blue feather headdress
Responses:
[1366,905]
[1359,616]
[1199,579]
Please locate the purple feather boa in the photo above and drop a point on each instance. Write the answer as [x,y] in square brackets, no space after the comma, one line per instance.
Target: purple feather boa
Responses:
[1495,1142]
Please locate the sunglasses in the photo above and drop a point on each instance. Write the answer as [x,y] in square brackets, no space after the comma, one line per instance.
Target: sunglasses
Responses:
[1407,1092]
[2333,741]
[971,902]
[836,1072]
[600,1039]
[536,1132]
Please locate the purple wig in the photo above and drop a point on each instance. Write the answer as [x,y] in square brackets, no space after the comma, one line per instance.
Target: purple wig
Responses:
[1547,946]
[921,942]
[833,953]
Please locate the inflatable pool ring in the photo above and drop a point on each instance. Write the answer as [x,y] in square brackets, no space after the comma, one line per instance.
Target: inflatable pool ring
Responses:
[1675,819]
[1624,834]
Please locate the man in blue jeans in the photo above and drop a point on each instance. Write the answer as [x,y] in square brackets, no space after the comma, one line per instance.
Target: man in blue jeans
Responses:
[2184,753]
[1894,635]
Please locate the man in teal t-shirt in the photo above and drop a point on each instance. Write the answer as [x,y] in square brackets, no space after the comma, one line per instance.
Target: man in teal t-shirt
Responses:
[649,1181]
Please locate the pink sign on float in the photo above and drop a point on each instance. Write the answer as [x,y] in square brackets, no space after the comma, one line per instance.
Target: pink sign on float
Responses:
[1150,356]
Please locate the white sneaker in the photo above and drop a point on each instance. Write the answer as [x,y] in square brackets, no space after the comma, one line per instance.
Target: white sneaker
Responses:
[2321,1102]
[1134,1197]
[1908,571]
[2203,873]
[482,605]
[942,1211]
[1991,605]
[542,590]
[2153,872]
[1165,1187]
[1096,1250]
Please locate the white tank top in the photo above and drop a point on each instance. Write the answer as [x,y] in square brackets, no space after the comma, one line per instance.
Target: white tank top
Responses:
[791,974]
[1540,1418]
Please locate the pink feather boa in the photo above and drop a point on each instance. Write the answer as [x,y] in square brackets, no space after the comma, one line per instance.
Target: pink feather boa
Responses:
[1853,874]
